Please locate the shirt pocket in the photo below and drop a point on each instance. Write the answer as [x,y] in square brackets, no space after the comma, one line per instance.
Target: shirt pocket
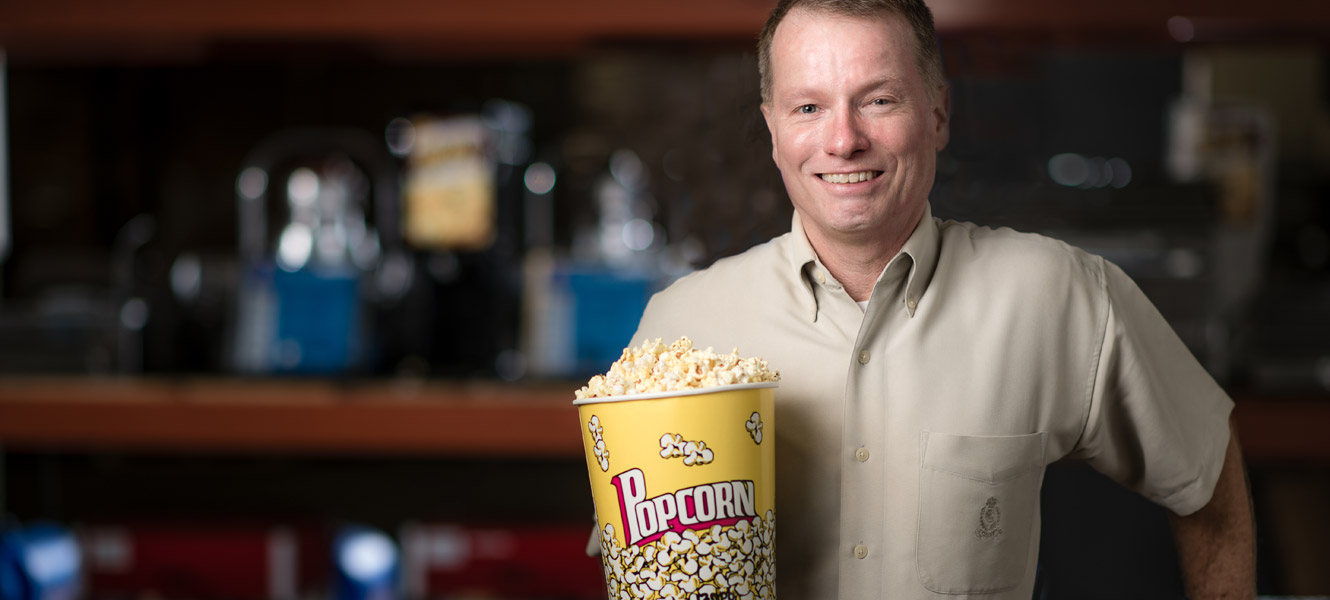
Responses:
[978,497]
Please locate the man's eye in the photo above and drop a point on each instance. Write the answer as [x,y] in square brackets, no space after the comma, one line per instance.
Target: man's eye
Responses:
[807,109]
[881,101]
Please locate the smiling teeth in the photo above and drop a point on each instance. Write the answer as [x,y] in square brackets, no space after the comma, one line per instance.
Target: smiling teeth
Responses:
[848,177]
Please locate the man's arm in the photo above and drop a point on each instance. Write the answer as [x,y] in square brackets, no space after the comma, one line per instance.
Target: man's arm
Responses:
[1217,544]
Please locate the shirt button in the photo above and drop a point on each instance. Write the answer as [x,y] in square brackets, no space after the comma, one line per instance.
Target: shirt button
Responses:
[912,303]
[821,277]
[861,551]
[863,357]
[861,454]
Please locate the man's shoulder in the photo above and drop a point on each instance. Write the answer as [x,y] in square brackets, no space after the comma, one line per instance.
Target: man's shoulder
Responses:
[717,305]
[1015,255]
[754,268]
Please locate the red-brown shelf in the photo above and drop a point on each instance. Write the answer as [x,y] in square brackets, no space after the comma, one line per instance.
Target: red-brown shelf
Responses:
[433,418]
[482,419]
[156,30]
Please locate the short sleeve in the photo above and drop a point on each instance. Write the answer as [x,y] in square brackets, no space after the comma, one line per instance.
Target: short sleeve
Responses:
[1158,422]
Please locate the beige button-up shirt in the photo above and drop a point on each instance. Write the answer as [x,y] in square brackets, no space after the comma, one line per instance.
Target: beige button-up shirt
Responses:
[912,435]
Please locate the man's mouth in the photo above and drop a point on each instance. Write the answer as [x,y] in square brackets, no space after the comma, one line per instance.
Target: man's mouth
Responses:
[849,177]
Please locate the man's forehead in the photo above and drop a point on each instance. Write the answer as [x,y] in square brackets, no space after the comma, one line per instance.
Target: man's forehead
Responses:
[888,27]
[881,17]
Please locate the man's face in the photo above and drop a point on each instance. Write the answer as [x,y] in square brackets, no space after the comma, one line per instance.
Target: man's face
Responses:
[854,130]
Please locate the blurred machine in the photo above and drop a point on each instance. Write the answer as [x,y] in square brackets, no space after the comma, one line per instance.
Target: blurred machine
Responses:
[310,237]
[581,309]
[360,257]
[462,221]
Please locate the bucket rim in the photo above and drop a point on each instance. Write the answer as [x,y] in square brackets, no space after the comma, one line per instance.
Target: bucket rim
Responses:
[677,393]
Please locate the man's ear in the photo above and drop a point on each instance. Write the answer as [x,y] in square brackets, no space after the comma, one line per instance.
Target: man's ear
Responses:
[942,116]
[766,116]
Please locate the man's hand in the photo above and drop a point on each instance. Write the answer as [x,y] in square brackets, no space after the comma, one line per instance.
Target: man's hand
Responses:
[1217,544]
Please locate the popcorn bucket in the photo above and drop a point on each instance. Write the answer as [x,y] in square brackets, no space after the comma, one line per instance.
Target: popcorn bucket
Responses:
[684,485]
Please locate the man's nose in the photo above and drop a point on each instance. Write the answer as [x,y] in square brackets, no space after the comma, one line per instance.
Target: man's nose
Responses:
[845,135]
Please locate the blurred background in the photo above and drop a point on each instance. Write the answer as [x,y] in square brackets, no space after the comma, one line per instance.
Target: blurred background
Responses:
[294,294]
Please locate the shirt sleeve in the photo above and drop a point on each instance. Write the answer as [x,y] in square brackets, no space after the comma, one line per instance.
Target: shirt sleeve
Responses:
[1158,422]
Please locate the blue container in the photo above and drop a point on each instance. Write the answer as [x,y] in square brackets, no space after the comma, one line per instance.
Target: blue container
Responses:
[318,315]
[309,321]
[608,306]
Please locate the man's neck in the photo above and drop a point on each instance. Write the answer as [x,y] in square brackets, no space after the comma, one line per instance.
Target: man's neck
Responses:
[857,262]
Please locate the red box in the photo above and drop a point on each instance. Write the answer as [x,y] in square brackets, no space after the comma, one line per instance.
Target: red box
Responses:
[203,562]
[506,561]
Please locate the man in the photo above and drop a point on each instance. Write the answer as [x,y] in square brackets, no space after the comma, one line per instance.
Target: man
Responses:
[931,370]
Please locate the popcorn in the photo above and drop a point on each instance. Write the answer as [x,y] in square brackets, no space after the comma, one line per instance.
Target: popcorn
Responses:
[700,534]
[754,427]
[736,561]
[672,445]
[654,367]
[597,433]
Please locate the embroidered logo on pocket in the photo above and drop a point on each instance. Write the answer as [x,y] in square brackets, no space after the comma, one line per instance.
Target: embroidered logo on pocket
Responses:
[990,520]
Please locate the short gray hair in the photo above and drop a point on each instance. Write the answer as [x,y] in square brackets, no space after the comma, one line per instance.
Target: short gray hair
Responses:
[915,12]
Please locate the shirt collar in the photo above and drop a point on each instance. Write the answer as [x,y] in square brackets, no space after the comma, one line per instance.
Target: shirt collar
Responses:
[921,249]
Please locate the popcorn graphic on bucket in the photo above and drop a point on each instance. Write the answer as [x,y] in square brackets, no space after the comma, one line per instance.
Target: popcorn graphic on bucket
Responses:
[679,448]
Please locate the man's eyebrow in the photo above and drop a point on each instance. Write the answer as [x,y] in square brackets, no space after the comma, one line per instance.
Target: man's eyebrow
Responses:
[886,81]
[800,93]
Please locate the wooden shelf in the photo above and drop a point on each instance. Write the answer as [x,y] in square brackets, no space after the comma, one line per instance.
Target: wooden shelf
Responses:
[229,415]
[395,29]
[157,30]
[428,418]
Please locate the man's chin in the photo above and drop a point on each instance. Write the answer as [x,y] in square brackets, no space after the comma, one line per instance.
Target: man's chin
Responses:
[853,230]
[858,222]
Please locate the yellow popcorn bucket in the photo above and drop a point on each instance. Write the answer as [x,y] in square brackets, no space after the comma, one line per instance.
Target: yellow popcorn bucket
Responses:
[684,485]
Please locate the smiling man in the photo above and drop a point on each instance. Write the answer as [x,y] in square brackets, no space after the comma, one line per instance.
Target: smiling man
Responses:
[931,370]
[856,125]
